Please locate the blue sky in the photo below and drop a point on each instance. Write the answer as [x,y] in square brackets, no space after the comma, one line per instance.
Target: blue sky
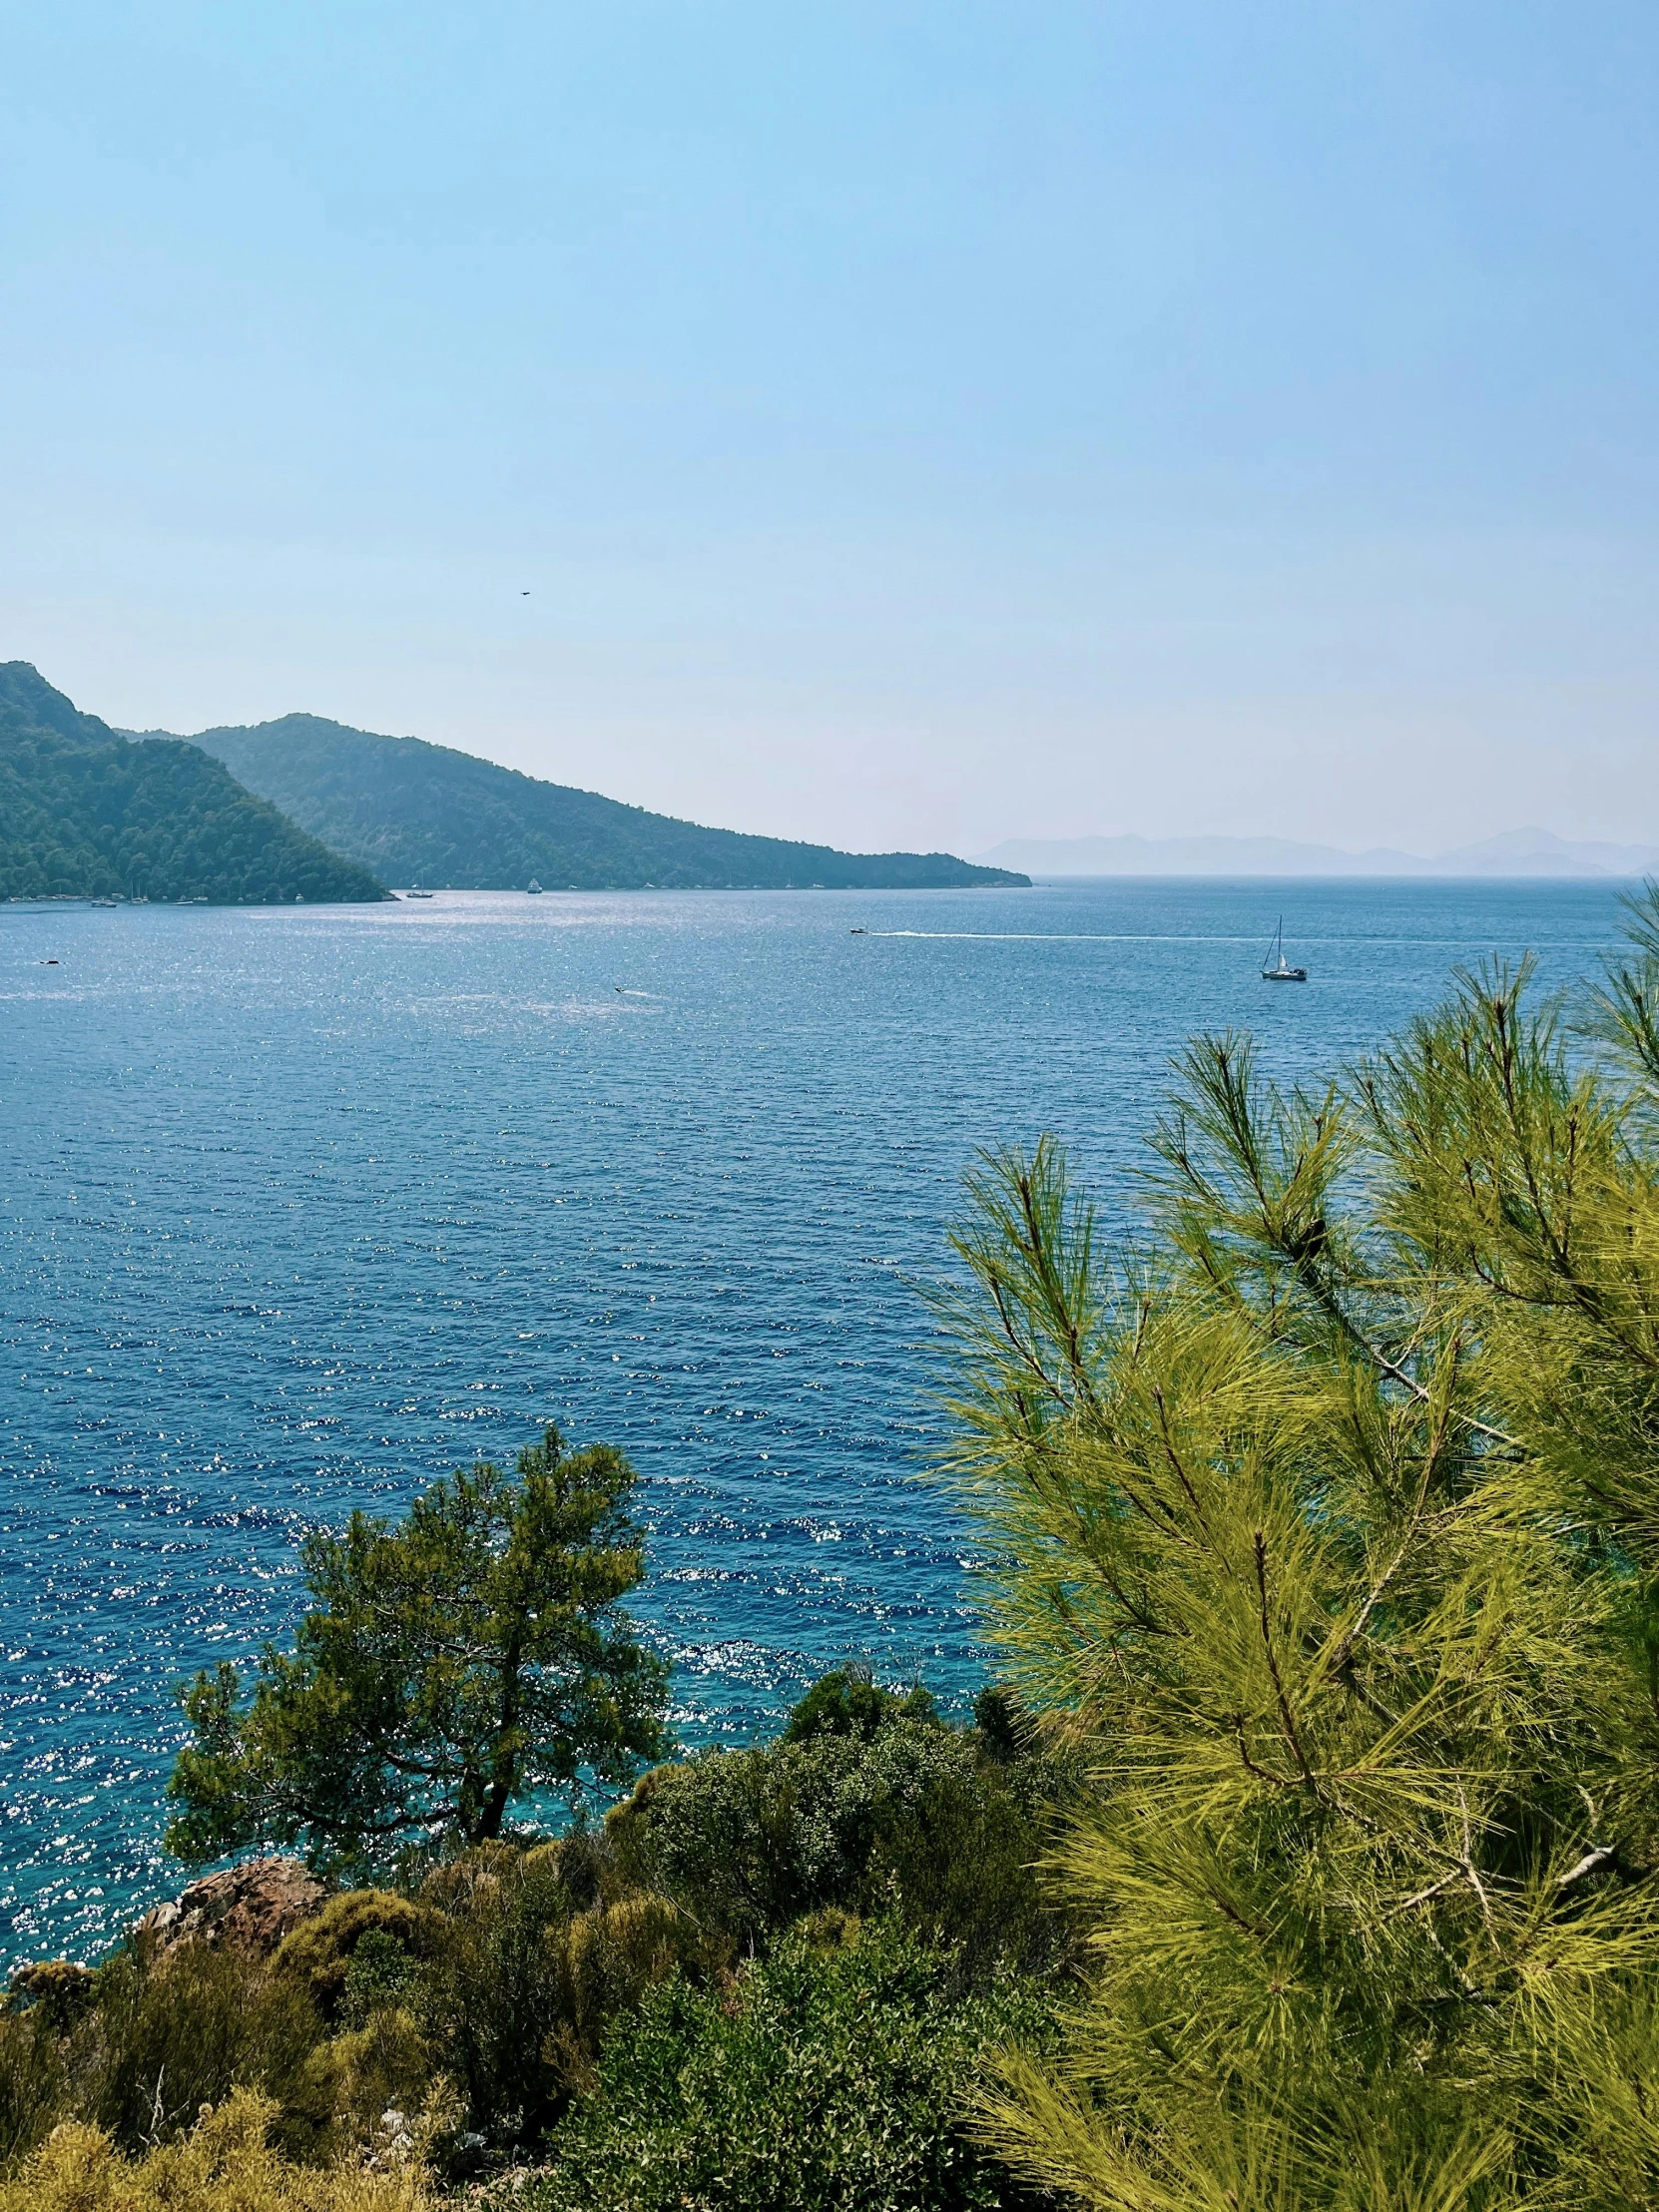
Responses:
[911,423]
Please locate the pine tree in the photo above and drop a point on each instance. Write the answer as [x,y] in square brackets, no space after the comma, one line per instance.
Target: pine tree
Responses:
[468,1657]
[1325,1529]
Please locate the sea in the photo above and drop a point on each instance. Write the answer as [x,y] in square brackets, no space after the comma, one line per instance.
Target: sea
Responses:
[301,1208]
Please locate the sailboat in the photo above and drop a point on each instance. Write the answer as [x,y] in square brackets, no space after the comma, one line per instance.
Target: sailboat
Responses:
[1282,970]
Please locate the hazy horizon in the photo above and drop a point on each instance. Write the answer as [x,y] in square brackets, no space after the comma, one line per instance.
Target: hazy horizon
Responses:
[894,428]
[1051,856]
[1530,851]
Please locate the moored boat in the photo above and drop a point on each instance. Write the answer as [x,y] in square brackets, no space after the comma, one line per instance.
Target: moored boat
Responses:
[1282,970]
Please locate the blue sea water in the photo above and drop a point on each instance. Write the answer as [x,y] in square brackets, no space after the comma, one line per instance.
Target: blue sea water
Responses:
[301,1208]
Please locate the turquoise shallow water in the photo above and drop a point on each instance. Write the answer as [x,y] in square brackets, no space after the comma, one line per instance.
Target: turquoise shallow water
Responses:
[303,1206]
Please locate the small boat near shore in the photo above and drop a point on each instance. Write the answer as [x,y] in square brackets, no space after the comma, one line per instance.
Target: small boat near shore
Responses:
[1282,970]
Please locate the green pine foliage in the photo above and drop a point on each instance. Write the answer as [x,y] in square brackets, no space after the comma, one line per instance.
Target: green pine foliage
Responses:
[1326,1532]
[425,813]
[87,813]
[472,1656]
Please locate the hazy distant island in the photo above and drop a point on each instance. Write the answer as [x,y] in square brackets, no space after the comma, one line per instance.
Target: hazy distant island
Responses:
[1514,853]
[87,813]
[423,813]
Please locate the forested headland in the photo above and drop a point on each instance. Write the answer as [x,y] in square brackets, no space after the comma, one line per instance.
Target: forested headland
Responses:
[1301,1853]
[88,813]
[425,813]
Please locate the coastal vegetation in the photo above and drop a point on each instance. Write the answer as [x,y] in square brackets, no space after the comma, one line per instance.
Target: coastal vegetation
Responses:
[1301,1858]
[450,1667]
[86,813]
[641,1998]
[1327,1536]
[425,813]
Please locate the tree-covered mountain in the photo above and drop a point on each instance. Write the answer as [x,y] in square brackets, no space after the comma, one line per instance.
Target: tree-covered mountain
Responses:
[422,813]
[86,813]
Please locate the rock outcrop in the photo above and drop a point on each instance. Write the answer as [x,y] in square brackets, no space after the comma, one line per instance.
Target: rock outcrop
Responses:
[248,1907]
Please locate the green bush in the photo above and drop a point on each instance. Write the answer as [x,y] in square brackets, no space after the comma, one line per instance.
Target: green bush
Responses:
[377,1979]
[956,1861]
[843,1702]
[822,2079]
[318,1955]
[491,1991]
[539,1950]
[912,1817]
[60,1989]
[365,2087]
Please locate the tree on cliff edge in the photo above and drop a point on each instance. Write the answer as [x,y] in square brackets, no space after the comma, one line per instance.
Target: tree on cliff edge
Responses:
[473,1654]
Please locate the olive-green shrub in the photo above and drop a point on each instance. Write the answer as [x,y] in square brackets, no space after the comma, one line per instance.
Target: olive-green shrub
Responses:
[829,2077]
[538,1951]
[318,1955]
[33,2085]
[169,2038]
[913,1817]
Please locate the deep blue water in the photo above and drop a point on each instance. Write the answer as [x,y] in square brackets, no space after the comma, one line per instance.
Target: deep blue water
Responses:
[301,1208]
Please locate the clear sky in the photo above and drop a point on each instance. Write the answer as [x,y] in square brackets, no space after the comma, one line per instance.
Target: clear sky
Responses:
[911,423]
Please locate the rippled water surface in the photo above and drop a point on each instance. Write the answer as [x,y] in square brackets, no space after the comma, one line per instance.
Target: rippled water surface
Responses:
[301,1208]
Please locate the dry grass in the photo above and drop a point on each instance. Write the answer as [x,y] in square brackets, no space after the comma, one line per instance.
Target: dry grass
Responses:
[224,2165]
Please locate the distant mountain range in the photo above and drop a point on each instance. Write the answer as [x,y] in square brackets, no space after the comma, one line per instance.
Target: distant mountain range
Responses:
[87,813]
[421,813]
[1515,852]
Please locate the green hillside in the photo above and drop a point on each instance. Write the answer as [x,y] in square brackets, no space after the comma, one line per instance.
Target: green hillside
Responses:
[85,813]
[421,813]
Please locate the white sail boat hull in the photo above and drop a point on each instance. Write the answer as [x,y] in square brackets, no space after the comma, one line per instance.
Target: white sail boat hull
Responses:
[1282,970]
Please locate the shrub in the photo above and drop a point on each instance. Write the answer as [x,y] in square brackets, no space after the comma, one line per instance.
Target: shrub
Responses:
[368,2089]
[492,1988]
[225,2164]
[182,2034]
[33,2085]
[956,1862]
[610,1956]
[536,1955]
[845,1703]
[1005,1732]
[747,1841]
[827,2076]
[62,1991]
[318,1955]
[377,1978]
